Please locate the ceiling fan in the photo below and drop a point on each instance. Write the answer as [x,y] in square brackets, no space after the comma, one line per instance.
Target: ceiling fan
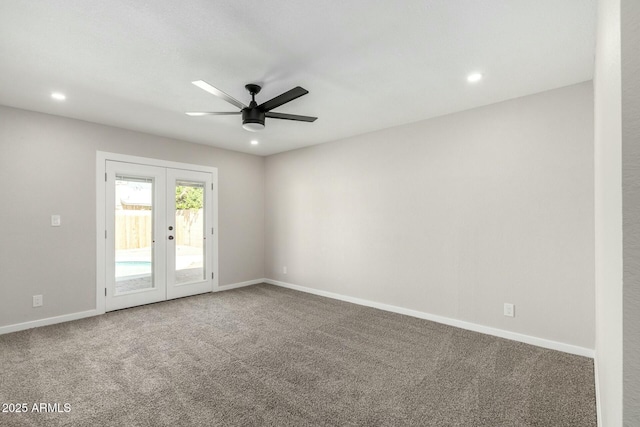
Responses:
[253,115]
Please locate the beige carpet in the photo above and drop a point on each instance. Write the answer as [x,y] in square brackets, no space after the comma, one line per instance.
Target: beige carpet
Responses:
[264,355]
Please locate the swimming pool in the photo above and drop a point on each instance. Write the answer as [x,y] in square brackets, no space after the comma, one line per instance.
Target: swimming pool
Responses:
[132,268]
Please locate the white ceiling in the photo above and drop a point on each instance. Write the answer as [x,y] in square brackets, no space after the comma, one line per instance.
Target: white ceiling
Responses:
[367,64]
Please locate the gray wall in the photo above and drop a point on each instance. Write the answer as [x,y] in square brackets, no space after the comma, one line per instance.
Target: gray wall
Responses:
[630,34]
[608,213]
[452,216]
[47,166]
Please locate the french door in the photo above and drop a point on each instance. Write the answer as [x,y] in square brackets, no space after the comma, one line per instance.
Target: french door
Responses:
[158,234]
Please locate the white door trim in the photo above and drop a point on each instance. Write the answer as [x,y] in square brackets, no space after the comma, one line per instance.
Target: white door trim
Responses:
[101,159]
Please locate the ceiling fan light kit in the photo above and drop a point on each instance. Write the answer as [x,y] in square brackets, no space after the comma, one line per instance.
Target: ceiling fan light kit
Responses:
[252,126]
[254,115]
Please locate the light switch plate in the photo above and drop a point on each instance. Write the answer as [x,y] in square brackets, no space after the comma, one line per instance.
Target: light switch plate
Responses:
[509,310]
[55,220]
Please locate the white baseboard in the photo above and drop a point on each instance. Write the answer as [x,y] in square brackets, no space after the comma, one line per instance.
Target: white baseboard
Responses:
[240,285]
[528,339]
[48,321]
[540,342]
[598,407]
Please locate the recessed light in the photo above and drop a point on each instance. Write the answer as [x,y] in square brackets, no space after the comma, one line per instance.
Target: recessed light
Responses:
[474,78]
[254,142]
[58,96]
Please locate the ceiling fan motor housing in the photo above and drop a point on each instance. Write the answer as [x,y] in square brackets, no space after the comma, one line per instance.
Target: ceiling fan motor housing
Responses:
[252,114]
[253,117]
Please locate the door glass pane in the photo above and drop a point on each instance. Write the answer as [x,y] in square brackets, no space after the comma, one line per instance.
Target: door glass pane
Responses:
[134,234]
[189,229]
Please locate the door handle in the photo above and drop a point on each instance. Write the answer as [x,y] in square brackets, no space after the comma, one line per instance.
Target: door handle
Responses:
[170,237]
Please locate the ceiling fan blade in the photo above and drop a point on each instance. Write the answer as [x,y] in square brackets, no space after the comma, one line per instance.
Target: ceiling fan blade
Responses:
[211,113]
[217,92]
[288,96]
[291,117]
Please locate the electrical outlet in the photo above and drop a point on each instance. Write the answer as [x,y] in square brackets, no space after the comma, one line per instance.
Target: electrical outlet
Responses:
[55,220]
[284,269]
[509,310]
[37,301]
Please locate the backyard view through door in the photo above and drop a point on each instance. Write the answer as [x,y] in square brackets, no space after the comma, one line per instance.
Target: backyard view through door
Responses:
[157,229]
[187,209]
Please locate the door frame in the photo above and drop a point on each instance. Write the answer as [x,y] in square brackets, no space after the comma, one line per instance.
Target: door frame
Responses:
[101,215]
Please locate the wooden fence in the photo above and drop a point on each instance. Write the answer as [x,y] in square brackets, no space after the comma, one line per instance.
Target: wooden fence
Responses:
[134,228]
